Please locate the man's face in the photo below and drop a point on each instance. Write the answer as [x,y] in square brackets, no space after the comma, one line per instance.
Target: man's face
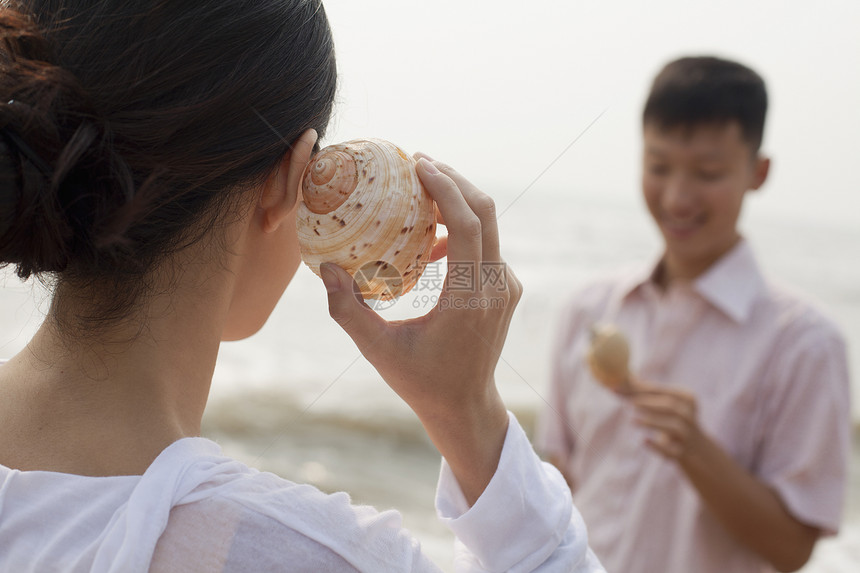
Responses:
[694,180]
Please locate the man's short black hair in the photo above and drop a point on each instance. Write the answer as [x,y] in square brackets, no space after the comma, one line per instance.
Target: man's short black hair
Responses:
[697,90]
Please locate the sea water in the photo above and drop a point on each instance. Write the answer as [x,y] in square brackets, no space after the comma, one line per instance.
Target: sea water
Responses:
[300,400]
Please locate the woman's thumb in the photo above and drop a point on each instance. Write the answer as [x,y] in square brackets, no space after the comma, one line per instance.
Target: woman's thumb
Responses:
[348,309]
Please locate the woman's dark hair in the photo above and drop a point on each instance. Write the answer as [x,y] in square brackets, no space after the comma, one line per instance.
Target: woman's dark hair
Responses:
[692,91]
[129,129]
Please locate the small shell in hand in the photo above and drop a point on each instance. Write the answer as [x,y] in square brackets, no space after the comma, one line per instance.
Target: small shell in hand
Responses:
[609,357]
[364,209]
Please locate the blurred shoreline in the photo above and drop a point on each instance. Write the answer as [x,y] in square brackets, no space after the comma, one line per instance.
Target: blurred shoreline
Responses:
[384,459]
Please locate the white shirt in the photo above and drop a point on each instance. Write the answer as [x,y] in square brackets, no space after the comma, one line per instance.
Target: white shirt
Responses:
[195,509]
[770,376]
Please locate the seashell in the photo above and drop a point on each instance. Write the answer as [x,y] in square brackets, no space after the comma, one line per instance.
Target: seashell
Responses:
[364,209]
[609,357]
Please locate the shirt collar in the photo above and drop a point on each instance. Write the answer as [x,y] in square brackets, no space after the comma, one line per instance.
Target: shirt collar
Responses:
[731,284]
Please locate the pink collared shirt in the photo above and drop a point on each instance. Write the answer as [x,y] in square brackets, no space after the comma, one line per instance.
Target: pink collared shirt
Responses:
[771,379]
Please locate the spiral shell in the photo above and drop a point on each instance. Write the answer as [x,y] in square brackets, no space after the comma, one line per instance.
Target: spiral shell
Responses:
[364,209]
[609,357]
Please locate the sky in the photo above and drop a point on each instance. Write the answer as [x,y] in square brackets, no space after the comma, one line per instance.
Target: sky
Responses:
[544,97]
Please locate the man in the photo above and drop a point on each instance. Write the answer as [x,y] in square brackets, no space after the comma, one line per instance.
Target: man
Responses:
[729,451]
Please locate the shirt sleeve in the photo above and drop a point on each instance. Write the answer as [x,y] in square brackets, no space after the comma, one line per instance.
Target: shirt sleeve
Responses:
[270,525]
[239,519]
[807,434]
[524,520]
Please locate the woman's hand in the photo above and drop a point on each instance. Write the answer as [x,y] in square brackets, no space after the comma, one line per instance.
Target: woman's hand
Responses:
[442,364]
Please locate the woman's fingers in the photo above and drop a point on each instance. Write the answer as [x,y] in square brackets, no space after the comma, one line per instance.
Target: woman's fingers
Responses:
[439,218]
[418,156]
[484,207]
[476,273]
[366,328]
[481,204]
[464,226]
[440,249]
[514,285]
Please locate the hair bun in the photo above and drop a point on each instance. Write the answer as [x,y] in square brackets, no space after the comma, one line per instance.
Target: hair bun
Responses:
[159,121]
[51,147]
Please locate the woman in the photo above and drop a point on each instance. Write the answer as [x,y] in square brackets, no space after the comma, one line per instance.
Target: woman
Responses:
[150,161]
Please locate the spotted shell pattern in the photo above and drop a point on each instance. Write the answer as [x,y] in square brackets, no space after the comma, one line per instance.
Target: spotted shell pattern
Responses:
[364,209]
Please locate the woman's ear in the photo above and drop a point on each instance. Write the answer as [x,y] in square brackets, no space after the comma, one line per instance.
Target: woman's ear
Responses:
[281,189]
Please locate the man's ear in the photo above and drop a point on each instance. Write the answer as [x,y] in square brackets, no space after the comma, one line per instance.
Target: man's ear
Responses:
[281,189]
[762,168]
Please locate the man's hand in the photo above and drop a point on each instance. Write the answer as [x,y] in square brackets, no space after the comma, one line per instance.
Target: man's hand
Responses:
[747,507]
[671,414]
